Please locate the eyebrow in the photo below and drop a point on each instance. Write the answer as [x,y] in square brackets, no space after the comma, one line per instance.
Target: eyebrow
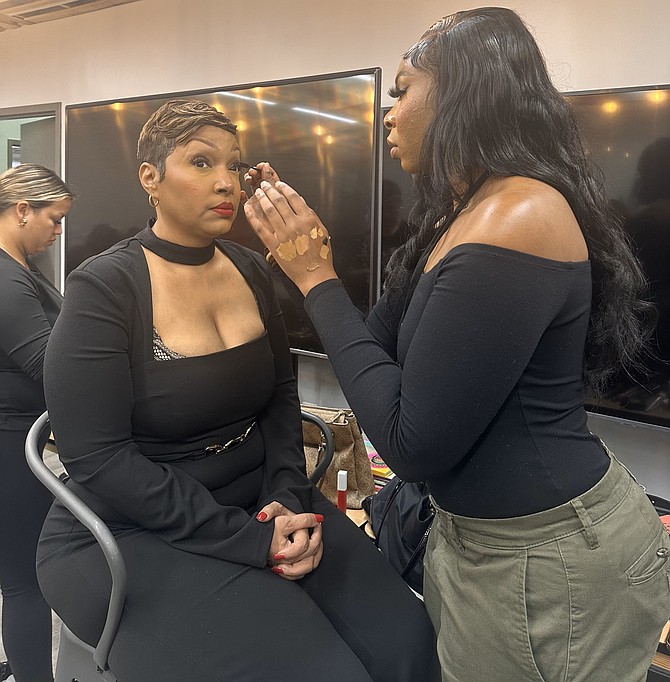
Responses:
[235,148]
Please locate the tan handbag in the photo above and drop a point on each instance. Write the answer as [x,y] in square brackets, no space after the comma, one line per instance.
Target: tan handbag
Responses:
[350,454]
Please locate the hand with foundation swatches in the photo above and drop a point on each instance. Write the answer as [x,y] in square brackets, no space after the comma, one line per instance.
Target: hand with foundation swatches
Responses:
[293,233]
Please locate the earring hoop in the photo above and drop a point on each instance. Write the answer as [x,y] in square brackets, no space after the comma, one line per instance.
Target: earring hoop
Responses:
[153,202]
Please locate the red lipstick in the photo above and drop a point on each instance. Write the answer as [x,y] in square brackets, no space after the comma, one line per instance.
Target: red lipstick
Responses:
[225,209]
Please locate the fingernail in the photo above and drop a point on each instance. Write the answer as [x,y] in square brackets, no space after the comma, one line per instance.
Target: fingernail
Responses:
[279,557]
[278,570]
[261,516]
[319,518]
[280,183]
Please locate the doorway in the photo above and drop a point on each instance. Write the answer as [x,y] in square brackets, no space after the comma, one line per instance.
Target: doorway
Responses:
[32,134]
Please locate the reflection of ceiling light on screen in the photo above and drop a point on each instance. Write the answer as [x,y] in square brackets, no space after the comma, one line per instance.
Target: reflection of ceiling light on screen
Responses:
[250,99]
[611,107]
[657,96]
[320,113]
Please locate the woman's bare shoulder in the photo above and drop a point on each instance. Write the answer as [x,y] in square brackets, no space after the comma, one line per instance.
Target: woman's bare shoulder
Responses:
[529,216]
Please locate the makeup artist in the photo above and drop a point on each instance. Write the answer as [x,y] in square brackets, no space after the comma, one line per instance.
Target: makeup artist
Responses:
[547,560]
[173,402]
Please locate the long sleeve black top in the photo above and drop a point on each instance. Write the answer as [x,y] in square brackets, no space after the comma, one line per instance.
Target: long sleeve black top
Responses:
[478,390]
[29,306]
[132,430]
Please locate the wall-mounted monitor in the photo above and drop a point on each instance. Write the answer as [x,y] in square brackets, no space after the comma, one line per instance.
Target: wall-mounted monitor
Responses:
[627,133]
[321,135]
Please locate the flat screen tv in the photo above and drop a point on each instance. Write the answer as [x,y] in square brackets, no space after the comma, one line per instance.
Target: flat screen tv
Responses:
[321,135]
[627,134]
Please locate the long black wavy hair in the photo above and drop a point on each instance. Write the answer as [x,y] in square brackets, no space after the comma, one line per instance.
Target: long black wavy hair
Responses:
[497,112]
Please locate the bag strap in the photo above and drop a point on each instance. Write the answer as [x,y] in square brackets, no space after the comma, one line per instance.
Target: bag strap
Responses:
[398,486]
[439,232]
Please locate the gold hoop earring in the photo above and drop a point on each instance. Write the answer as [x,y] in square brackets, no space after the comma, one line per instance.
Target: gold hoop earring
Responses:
[153,202]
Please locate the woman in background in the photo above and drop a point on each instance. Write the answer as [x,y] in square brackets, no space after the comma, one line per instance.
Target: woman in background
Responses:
[33,202]
[547,561]
[172,398]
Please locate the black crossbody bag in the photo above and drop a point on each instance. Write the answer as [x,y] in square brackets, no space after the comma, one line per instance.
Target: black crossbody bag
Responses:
[401,514]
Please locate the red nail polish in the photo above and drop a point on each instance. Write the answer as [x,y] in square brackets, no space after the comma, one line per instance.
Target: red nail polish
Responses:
[319,518]
[261,516]
[279,557]
[277,569]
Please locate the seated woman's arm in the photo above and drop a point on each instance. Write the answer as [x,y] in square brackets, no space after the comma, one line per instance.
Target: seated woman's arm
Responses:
[280,422]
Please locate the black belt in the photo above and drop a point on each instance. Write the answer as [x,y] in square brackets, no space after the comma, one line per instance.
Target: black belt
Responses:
[216,448]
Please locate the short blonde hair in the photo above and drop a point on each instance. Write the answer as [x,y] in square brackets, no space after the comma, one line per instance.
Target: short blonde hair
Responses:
[35,184]
[172,124]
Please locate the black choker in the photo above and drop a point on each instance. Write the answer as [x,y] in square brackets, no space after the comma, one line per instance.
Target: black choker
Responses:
[175,253]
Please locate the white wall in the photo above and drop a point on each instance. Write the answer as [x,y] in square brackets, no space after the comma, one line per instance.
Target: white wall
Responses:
[159,46]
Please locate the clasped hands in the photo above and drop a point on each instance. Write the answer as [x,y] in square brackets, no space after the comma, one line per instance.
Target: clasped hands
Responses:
[296,548]
[289,228]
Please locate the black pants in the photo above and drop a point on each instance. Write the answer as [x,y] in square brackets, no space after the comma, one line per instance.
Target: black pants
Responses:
[26,617]
[198,618]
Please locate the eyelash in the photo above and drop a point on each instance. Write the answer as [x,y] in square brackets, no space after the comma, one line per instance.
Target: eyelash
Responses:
[199,159]
[396,92]
[236,166]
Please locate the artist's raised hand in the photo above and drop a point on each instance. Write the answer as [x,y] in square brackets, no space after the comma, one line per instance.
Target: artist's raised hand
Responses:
[296,548]
[293,233]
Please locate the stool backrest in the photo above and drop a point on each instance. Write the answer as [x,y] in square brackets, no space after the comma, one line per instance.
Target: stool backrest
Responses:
[37,435]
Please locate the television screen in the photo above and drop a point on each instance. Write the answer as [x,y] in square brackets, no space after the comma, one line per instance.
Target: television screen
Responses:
[319,133]
[627,133]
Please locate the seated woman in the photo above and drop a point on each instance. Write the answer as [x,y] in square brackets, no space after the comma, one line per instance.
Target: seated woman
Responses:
[174,406]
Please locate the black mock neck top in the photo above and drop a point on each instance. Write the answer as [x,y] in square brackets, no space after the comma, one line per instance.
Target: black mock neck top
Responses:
[139,452]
